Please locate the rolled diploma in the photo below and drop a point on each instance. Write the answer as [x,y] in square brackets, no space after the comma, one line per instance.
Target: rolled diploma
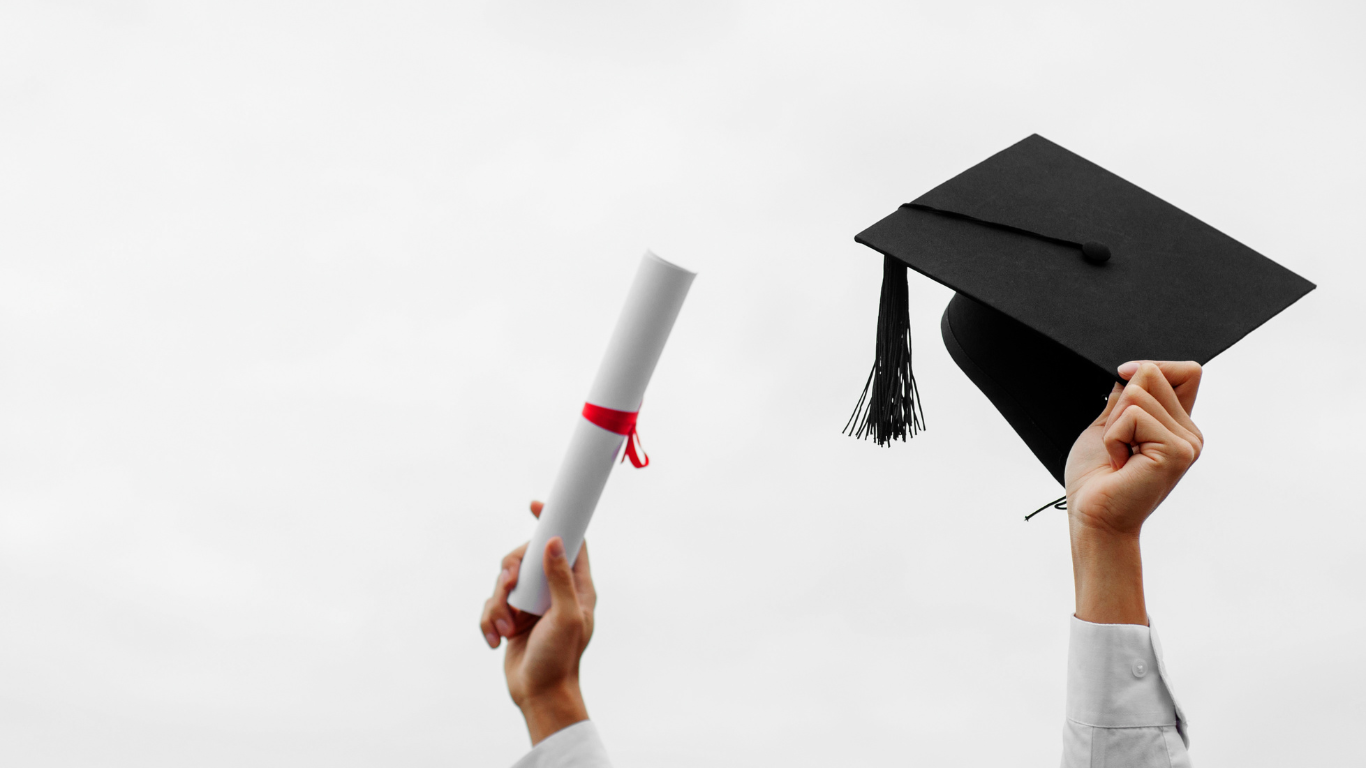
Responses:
[652,305]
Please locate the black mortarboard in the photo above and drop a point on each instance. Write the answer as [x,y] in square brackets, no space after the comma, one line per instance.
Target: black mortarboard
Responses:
[1063,272]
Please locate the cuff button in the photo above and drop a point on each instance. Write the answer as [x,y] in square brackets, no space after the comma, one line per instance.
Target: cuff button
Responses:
[1140,668]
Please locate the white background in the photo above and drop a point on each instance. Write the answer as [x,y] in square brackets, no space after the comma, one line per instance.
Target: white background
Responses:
[299,301]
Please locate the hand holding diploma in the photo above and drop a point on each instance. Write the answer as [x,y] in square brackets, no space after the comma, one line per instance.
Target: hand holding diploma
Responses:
[608,419]
[542,659]
[543,600]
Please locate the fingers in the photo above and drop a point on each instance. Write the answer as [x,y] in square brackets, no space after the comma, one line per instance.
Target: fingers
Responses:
[1150,377]
[1149,389]
[1120,434]
[1135,426]
[563,596]
[499,618]
[1183,376]
[1175,420]
[582,575]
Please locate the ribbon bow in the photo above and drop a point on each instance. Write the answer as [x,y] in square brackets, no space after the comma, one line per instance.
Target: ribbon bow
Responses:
[621,423]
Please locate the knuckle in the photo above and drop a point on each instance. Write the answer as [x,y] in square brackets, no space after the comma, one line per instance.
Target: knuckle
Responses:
[1121,412]
[1120,406]
[1116,426]
[574,622]
[1144,397]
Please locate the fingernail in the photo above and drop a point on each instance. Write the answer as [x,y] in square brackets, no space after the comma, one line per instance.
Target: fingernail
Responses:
[1128,369]
[555,548]
[492,640]
[504,628]
[504,576]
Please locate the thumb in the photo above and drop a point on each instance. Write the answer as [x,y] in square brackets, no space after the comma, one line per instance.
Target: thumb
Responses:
[563,596]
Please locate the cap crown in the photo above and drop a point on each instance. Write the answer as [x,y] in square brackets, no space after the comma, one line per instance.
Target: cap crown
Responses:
[1009,232]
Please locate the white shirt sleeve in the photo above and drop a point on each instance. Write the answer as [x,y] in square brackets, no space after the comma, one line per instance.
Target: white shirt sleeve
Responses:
[1121,712]
[576,746]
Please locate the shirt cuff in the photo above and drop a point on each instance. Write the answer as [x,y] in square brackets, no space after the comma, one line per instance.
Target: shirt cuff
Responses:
[1116,679]
[575,746]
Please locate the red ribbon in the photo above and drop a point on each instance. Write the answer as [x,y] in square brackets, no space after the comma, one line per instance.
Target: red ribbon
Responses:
[621,423]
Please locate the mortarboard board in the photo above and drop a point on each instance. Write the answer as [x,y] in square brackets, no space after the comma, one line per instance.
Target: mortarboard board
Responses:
[1062,271]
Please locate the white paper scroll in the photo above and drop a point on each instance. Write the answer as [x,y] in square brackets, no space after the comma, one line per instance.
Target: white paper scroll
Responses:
[642,328]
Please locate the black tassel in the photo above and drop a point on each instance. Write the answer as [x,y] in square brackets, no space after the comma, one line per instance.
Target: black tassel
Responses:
[889,407]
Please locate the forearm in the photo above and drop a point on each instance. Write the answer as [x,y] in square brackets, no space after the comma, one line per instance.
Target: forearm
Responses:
[1108,572]
[553,710]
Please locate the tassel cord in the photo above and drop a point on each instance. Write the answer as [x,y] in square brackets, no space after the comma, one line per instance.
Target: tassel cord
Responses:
[1055,504]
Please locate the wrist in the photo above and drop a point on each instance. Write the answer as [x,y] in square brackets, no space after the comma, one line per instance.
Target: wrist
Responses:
[553,709]
[1107,567]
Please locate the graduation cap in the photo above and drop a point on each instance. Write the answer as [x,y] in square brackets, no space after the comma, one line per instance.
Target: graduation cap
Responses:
[1063,271]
